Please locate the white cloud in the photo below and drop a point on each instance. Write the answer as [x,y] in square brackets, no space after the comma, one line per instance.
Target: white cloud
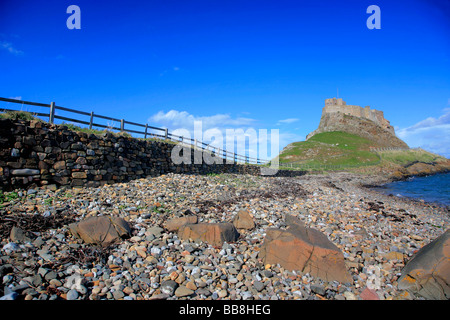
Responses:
[175,119]
[182,119]
[16,97]
[432,134]
[9,47]
[287,121]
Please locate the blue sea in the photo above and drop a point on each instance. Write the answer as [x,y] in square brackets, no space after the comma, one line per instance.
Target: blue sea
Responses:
[434,188]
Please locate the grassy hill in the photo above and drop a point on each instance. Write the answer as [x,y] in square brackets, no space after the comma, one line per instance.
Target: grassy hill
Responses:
[331,148]
[345,151]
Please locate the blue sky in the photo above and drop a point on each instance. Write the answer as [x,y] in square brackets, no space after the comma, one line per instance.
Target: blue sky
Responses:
[234,64]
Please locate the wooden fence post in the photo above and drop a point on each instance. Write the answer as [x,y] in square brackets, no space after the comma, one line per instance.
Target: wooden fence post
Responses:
[145,133]
[166,134]
[122,125]
[91,121]
[51,117]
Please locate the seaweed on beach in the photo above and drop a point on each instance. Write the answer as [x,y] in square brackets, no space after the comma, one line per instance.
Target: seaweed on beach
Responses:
[34,222]
[87,254]
[280,189]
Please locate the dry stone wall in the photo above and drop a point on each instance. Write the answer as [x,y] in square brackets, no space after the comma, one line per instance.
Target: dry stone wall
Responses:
[38,153]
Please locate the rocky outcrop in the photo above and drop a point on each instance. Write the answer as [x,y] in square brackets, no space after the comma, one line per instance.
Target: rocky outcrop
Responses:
[418,168]
[422,168]
[362,127]
[213,233]
[427,274]
[304,249]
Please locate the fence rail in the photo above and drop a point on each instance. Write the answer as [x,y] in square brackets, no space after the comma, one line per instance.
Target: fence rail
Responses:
[162,133]
[389,149]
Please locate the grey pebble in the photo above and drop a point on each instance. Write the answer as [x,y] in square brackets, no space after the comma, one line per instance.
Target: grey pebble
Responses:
[118,294]
[72,294]
[258,285]
[169,287]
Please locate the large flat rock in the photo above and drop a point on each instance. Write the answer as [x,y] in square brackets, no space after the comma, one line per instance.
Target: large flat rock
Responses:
[304,249]
[102,230]
[176,223]
[213,233]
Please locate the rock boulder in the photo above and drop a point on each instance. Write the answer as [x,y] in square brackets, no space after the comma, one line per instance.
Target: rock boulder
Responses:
[176,223]
[213,233]
[243,220]
[427,274]
[304,249]
[102,230]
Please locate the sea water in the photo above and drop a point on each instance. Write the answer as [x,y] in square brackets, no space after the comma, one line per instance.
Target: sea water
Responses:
[433,188]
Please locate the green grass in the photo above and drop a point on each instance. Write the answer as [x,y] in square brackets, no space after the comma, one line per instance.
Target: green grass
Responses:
[18,115]
[331,148]
[73,127]
[345,141]
[7,196]
[410,156]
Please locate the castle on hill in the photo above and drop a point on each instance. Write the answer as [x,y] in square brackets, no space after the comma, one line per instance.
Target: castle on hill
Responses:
[365,122]
[339,105]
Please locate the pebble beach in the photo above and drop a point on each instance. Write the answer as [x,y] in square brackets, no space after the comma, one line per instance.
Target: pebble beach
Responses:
[377,234]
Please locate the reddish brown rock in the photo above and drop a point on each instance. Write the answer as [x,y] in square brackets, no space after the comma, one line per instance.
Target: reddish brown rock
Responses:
[427,274]
[304,249]
[176,223]
[369,294]
[243,220]
[102,230]
[213,233]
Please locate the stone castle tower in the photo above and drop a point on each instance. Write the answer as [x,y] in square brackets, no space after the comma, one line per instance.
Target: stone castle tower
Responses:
[365,122]
[339,105]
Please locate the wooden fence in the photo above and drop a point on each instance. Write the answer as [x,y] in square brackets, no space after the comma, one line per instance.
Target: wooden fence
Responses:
[148,131]
[389,149]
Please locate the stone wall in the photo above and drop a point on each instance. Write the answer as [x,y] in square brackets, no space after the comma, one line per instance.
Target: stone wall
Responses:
[35,153]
